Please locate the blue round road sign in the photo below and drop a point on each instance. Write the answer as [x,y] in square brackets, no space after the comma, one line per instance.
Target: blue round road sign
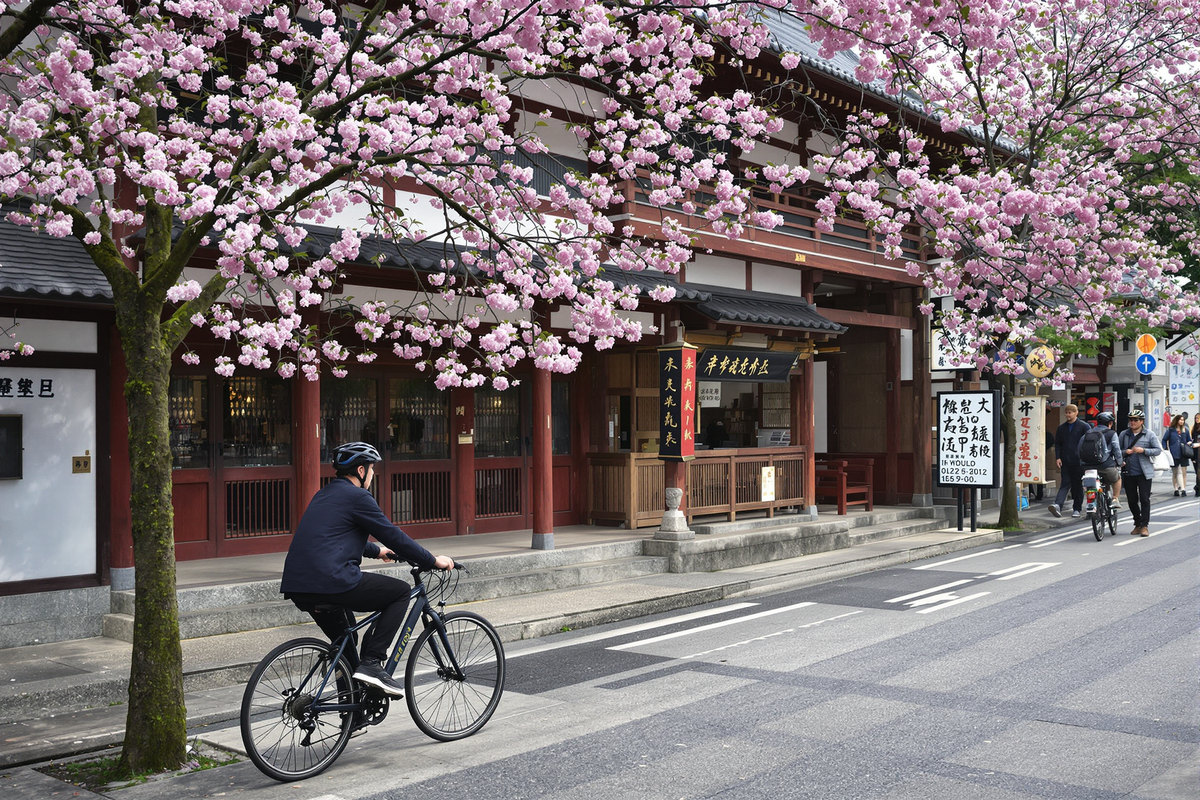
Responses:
[1146,363]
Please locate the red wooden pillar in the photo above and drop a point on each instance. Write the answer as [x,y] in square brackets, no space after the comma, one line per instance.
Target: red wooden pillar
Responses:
[462,432]
[923,400]
[542,480]
[306,439]
[804,429]
[891,478]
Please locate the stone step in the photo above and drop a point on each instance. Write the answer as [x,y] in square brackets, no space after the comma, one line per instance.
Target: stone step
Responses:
[759,546]
[262,613]
[855,518]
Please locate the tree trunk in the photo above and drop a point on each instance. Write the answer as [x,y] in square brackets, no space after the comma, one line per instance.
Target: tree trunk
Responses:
[156,725]
[1010,515]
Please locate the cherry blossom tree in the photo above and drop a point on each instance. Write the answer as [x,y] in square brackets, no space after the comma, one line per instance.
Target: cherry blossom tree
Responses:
[1071,208]
[159,130]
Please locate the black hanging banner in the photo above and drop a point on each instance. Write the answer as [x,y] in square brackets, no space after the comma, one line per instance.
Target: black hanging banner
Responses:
[753,366]
[677,402]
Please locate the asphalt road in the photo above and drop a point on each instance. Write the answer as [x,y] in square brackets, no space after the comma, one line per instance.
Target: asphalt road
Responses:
[1049,666]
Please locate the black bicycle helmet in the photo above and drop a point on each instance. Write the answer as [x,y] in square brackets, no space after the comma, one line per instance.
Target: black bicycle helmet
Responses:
[1105,418]
[352,455]
[1137,413]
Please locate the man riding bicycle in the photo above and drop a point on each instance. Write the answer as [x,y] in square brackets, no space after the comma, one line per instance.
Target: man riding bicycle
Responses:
[322,565]
[1099,449]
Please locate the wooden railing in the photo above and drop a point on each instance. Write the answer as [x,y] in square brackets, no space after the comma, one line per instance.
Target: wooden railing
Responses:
[798,210]
[258,507]
[628,487]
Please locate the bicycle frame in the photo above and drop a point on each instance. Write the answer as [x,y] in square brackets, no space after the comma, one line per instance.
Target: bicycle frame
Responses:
[421,609]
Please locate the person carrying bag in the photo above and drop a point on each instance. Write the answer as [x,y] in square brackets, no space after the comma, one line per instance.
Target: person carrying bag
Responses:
[1178,444]
[1139,448]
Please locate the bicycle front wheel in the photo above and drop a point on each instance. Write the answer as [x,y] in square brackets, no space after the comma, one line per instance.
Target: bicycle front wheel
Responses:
[285,733]
[449,704]
[1112,519]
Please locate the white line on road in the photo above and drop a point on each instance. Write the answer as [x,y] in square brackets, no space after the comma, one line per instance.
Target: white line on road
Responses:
[960,558]
[773,635]
[711,626]
[645,626]
[1167,529]
[1031,568]
[954,602]
[928,591]
[1061,538]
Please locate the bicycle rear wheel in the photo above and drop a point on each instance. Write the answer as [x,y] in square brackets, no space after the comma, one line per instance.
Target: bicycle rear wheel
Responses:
[1097,519]
[283,735]
[447,705]
[1112,517]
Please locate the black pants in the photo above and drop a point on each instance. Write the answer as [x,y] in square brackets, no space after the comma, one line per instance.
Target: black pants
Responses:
[373,593]
[1137,489]
[1072,480]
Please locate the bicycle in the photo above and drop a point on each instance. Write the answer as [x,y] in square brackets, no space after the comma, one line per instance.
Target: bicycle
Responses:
[1099,504]
[302,705]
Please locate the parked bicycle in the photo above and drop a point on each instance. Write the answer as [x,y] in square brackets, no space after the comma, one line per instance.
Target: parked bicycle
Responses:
[1099,504]
[301,704]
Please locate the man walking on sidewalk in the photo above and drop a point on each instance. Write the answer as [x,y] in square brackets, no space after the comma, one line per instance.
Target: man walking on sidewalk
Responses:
[1066,448]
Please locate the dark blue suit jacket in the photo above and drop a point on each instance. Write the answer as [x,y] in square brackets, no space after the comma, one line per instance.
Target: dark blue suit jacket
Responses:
[331,540]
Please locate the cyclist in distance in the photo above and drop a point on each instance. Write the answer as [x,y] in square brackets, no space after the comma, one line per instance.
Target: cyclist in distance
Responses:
[1099,449]
[322,564]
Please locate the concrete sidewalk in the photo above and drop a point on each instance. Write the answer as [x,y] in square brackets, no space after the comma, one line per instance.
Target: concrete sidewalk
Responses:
[68,697]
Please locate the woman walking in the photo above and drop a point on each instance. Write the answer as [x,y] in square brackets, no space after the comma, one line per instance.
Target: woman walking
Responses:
[1172,442]
[1196,452]
[1140,447]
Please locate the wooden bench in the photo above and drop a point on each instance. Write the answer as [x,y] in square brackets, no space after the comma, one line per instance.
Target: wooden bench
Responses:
[847,482]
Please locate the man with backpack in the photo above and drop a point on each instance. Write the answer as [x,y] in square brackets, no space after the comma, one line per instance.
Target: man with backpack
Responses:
[1099,449]
[1066,448]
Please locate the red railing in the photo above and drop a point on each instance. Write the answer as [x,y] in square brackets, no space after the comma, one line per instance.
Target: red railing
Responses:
[421,496]
[498,492]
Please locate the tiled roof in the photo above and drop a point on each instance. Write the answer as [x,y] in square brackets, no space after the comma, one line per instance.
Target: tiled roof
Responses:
[737,306]
[38,265]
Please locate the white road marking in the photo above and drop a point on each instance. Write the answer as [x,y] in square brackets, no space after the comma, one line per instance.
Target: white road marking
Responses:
[1062,537]
[1028,568]
[960,558]
[954,602]
[773,635]
[709,627]
[1011,546]
[645,626]
[928,591]
[1167,529]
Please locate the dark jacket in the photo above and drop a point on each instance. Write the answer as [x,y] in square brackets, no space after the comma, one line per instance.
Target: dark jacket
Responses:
[331,541]
[1066,441]
[1170,442]
[1116,457]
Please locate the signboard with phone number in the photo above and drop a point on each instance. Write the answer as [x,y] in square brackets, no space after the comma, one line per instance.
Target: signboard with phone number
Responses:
[967,450]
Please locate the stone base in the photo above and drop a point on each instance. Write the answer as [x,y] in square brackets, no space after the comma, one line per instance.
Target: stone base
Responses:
[812,513]
[121,578]
[674,536]
[543,541]
[922,500]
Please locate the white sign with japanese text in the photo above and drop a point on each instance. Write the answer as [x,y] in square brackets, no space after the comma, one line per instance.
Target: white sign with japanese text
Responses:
[949,347]
[768,484]
[1031,439]
[708,393]
[967,452]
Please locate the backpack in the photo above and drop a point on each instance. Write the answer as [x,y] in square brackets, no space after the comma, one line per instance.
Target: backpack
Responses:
[1093,447]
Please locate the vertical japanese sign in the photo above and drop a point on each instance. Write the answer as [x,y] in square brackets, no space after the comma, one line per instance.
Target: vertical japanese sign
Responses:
[1031,439]
[1185,383]
[677,402]
[968,423]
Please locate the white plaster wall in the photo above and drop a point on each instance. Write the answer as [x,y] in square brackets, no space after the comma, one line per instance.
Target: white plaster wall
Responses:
[775,279]
[56,336]
[553,133]
[48,517]
[821,406]
[709,270]
[770,154]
